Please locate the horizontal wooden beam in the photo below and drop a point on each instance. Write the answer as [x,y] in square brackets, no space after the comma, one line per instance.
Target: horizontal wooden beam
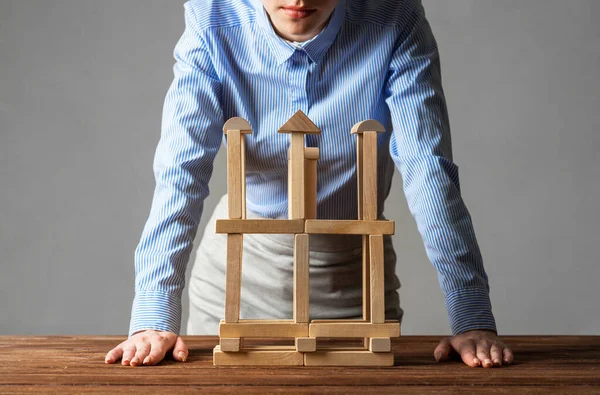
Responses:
[348,358]
[259,357]
[263,226]
[353,329]
[349,227]
[263,329]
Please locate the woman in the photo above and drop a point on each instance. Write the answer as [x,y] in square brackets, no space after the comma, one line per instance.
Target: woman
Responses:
[340,62]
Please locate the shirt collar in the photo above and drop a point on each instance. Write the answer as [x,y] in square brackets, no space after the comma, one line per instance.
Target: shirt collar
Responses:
[315,49]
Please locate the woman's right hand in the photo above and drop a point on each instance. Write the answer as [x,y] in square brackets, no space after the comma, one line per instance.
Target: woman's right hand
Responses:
[148,347]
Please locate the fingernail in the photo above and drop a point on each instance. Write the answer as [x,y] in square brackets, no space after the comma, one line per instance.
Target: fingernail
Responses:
[476,361]
[135,360]
[147,359]
[487,362]
[182,356]
[497,362]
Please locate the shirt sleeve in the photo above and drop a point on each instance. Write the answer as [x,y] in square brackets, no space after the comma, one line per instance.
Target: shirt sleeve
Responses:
[420,146]
[183,165]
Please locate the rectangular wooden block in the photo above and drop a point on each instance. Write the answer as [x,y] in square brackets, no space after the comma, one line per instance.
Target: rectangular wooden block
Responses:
[354,329]
[233,278]
[301,278]
[306,344]
[377,291]
[234,174]
[231,344]
[359,174]
[310,179]
[380,344]
[258,357]
[262,329]
[369,176]
[243,173]
[262,226]
[348,358]
[297,177]
[349,227]
[366,278]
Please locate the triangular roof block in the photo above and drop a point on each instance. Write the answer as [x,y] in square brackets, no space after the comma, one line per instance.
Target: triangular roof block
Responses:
[300,123]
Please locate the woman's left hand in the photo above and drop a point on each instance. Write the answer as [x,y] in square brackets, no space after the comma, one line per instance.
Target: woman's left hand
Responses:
[476,348]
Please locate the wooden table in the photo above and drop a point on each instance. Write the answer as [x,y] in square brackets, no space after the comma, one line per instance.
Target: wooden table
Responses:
[64,364]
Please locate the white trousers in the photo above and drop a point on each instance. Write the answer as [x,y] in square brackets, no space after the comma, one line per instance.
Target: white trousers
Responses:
[267,277]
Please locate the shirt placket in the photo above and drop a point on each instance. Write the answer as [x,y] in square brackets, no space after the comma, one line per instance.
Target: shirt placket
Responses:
[300,65]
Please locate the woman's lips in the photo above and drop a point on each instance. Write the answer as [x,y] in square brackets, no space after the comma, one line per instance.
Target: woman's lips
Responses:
[297,12]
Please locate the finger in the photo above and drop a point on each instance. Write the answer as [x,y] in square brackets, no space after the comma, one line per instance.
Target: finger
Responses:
[442,351]
[483,353]
[496,354]
[128,353]
[180,351]
[143,348]
[509,357]
[159,347]
[468,354]
[113,355]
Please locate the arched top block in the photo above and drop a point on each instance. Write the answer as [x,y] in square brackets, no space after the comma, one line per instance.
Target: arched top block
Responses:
[370,125]
[300,123]
[237,123]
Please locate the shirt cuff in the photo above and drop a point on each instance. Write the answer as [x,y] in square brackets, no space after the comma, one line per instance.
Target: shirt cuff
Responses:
[470,309]
[156,310]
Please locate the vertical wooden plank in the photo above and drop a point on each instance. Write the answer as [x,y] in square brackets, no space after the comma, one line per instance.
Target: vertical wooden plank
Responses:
[290,183]
[359,173]
[310,178]
[297,179]
[301,278]
[233,276]
[243,173]
[369,175]
[377,279]
[234,172]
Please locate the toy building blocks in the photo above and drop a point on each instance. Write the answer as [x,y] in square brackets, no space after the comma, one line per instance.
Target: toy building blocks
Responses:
[375,331]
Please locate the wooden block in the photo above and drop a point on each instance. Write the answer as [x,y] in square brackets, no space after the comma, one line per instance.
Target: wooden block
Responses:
[348,358]
[299,122]
[349,227]
[262,226]
[306,344]
[301,278]
[355,329]
[344,321]
[263,329]
[369,125]
[297,177]
[231,344]
[237,123]
[233,282]
[366,278]
[380,344]
[359,174]
[311,153]
[243,174]
[258,357]
[369,205]
[377,279]
[310,181]
[234,174]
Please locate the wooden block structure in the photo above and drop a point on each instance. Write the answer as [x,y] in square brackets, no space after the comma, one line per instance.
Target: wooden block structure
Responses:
[302,221]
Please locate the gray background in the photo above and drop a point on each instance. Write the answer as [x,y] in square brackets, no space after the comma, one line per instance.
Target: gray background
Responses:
[81,91]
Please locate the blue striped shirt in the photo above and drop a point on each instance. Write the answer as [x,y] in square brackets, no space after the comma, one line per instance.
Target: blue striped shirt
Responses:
[373,60]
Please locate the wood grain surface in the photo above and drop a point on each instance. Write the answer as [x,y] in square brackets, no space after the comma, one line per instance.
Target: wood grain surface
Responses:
[75,364]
